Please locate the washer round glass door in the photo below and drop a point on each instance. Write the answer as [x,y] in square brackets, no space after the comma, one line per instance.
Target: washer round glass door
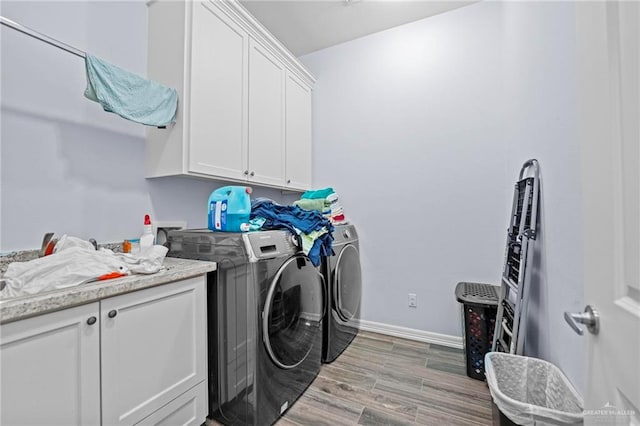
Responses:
[347,283]
[293,310]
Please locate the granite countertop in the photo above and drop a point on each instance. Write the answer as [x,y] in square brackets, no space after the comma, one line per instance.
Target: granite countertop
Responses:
[17,308]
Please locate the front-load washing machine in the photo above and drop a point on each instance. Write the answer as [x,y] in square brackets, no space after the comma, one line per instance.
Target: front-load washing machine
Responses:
[344,289]
[266,304]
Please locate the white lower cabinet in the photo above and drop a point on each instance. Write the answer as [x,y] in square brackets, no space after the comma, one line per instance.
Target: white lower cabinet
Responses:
[153,349]
[189,409]
[135,358]
[50,369]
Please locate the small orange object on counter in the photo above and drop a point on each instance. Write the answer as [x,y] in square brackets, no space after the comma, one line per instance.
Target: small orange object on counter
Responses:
[126,246]
[50,246]
[111,276]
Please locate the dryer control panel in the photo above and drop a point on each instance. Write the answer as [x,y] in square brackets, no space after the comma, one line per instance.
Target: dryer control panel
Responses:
[344,234]
[270,244]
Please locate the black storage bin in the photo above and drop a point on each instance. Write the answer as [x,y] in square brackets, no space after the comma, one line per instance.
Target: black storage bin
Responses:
[480,304]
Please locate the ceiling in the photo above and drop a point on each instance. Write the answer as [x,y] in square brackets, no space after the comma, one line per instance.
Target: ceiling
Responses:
[305,26]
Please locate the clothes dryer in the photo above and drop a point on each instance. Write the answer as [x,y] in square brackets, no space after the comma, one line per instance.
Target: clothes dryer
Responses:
[265,309]
[343,279]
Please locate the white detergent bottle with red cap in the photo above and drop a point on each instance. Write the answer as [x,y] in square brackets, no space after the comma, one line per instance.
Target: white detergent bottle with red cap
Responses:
[147,239]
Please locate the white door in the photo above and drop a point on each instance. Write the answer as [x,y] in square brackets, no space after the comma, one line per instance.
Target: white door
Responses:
[608,83]
[50,369]
[154,349]
[218,114]
[298,134]
[266,116]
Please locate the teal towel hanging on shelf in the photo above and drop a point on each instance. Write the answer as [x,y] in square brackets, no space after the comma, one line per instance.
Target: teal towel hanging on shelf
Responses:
[130,95]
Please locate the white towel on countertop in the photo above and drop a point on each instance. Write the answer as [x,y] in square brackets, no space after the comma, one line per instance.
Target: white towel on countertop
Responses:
[74,263]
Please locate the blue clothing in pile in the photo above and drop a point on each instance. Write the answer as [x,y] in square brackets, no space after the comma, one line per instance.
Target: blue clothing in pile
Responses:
[296,220]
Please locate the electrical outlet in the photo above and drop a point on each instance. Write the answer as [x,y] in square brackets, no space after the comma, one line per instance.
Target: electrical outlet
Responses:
[162,227]
[413,300]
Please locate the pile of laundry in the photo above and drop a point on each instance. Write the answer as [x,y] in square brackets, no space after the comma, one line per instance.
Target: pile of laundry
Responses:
[314,231]
[75,261]
[326,202]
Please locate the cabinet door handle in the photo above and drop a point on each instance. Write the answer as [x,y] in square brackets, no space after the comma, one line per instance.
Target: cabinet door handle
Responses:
[112,313]
[288,181]
[92,320]
[252,173]
[246,172]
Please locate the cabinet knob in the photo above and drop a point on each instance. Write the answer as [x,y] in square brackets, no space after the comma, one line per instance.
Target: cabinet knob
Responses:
[92,320]
[246,172]
[252,173]
[288,181]
[112,313]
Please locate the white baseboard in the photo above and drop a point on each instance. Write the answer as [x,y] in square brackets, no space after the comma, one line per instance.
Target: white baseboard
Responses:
[412,334]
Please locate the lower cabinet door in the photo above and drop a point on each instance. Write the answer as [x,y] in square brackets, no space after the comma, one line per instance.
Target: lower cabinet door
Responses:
[189,409]
[153,349]
[50,369]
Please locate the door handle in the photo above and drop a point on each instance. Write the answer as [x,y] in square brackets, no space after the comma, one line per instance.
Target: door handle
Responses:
[589,317]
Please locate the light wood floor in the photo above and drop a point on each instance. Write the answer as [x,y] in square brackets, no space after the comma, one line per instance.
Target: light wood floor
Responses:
[383,380]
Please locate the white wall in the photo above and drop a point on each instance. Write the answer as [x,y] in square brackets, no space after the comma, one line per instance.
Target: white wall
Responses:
[66,166]
[541,100]
[407,127]
[422,130]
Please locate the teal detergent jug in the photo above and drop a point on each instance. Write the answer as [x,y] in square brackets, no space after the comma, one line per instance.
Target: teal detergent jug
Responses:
[229,209]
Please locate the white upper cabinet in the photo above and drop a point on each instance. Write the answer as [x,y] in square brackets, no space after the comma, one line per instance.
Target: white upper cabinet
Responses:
[266,116]
[298,134]
[234,120]
[218,143]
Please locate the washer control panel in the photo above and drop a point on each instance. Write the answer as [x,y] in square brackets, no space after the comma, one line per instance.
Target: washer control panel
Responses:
[270,244]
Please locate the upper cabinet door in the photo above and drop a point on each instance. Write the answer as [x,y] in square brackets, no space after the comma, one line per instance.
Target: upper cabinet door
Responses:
[298,134]
[266,116]
[50,368]
[218,89]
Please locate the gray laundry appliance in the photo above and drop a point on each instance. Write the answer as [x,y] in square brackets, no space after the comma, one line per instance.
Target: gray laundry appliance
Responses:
[266,304]
[343,279]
